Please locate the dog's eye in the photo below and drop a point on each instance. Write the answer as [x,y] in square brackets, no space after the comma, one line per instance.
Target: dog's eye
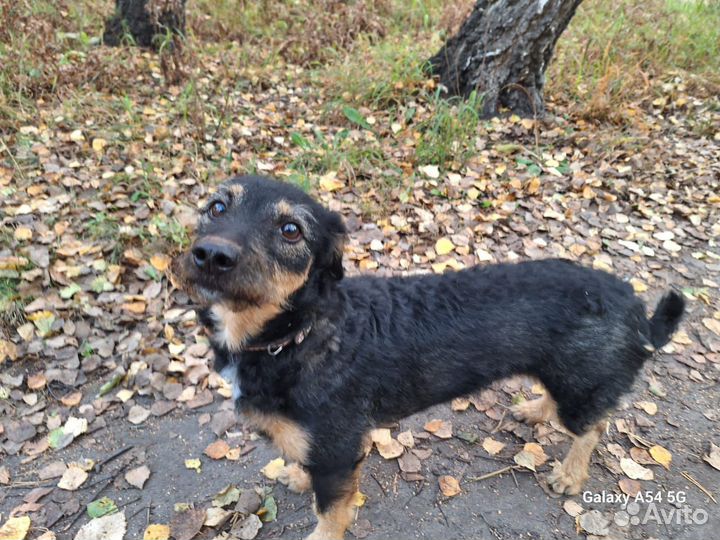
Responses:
[217,209]
[291,232]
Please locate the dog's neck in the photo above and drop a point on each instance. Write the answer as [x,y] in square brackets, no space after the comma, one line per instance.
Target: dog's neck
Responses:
[240,328]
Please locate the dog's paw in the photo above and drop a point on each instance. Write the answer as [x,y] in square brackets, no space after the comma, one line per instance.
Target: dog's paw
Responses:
[317,534]
[566,481]
[531,412]
[295,478]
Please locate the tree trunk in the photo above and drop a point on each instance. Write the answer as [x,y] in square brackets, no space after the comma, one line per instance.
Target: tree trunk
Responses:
[502,51]
[147,21]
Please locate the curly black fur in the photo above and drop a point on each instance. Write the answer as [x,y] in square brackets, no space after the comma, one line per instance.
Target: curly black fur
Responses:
[381,349]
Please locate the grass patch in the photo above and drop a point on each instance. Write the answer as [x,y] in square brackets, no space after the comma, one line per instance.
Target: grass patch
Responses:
[449,133]
[613,52]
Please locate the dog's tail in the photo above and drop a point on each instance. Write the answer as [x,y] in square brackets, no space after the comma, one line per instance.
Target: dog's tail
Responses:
[666,318]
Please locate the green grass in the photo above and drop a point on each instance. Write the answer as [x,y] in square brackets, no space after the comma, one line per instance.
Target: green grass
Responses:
[449,134]
[612,52]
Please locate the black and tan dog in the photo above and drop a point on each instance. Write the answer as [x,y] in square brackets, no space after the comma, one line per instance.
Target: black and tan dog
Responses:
[317,361]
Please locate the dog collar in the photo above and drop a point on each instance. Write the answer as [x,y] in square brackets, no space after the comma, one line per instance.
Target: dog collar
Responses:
[275,347]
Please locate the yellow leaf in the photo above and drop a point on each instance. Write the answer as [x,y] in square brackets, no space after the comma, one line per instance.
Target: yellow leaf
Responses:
[329,182]
[160,261]
[638,285]
[358,499]
[23,233]
[648,406]
[194,464]
[77,136]
[661,455]
[15,528]
[7,350]
[273,469]
[449,486]
[444,246]
[98,145]
[473,194]
[157,531]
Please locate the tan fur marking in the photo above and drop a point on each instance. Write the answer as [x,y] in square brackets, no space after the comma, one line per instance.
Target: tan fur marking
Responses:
[287,435]
[238,190]
[283,208]
[295,478]
[235,327]
[536,410]
[333,523]
[569,476]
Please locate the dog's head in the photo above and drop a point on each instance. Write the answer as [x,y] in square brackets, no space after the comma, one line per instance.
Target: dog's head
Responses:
[258,242]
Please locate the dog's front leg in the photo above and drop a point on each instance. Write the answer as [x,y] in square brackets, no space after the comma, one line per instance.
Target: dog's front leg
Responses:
[334,486]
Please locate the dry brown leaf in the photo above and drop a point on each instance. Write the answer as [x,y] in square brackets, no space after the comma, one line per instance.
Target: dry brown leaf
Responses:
[537,452]
[713,457]
[713,325]
[406,439]
[381,436]
[573,508]
[72,478]
[391,450]
[449,485]
[460,404]
[630,487]
[492,446]
[138,476]
[649,407]
[15,528]
[525,459]
[186,525]
[217,450]
[440,428]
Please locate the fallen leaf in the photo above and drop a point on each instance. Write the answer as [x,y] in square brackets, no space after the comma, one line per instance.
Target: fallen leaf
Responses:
[229,495]
[635,471]
[268,510]
[185,525]
[460,404]
[101,507]
[160,261]
[330,182]
[409,463]
[157,531]
[572,508]
[440,428]
[406,439]
[449,485]
[138,476]
[391,450]
[111,527]
[593,522]
[525,459]
[381,436]
[431,171]
[630,487]
[713,325]
[537,452]
[72,478]
[215,517]
[444,246]
[661,455]
[248,528]
[492,446]
[273,469]
[193,464]
[713,457]
[649,407]
[15,528]
[217,450]
[138,414]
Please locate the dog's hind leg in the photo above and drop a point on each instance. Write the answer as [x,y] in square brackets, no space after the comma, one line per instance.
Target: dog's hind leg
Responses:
[569,476]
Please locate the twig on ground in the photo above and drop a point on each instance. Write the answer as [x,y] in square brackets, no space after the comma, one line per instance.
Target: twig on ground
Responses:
[698,485]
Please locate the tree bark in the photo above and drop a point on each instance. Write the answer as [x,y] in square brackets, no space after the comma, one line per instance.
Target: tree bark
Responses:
[502,50]
[147,21]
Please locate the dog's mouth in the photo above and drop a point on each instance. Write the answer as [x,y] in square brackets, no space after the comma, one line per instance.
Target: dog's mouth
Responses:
[207,289]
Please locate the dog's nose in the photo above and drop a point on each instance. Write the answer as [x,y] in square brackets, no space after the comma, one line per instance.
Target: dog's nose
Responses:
[215,256]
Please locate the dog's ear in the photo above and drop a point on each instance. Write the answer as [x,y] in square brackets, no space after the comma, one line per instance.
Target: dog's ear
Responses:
[331,259]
